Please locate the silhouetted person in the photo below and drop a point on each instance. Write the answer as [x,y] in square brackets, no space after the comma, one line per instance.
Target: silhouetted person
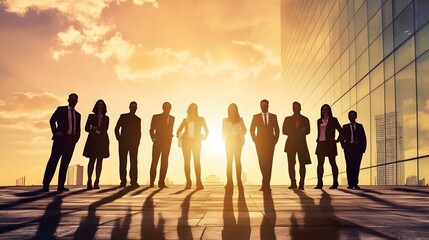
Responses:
[353,141]
[161,132]
[129,139]
[265,139]
[97,144]
[233,131]
[191,143]
[327,145]
[65,126]
[296,127]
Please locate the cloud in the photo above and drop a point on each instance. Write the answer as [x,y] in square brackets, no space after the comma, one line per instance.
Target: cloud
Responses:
[87,28]
[28,105]
[240,61]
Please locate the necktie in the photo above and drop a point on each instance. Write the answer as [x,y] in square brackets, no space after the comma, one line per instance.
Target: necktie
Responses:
[168,119]
[354,133]
[72,118]
[266,119]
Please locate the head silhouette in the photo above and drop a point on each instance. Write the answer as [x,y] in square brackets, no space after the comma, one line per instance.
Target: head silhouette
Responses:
[325,111]
[133,107]
[233,114]
[192,111]
[72,100]
[264,105]
[296,107]
[352,116]
[166,108]
[100,107]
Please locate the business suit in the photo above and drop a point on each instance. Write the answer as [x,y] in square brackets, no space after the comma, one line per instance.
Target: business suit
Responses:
[296,128]
[265,137]
[65,138]
[128,133]
[161,132]
[354,147]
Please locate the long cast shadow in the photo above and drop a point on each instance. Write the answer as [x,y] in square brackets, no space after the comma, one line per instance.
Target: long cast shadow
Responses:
[402,189]
[415,209]
[270,217]
[88,225]
[320,220]
[148,228]
[184,231]
[52,212]
[233,229]
[120,231]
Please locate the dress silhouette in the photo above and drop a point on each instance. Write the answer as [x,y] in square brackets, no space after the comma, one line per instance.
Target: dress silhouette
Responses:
[97,144]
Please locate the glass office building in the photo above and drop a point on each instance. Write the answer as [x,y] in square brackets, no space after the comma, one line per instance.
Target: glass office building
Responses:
[370,56]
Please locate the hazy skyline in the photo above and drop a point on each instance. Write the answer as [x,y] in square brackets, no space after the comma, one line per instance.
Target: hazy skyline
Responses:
[212,53]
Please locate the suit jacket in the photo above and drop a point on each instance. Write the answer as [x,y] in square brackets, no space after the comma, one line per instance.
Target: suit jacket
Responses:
[130,126]
[296,140]
[60,122]
[360,136]
[330,129]
[264,134]
[199,123]
[159,130]
[227,128]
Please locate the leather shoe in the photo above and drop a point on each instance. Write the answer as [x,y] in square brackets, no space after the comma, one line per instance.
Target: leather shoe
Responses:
[45,189]
[301,187]
[63,189]
[333,187]
[357,187]
[349,187]
[123,184]
[292,187]
[135,185]
[318,187]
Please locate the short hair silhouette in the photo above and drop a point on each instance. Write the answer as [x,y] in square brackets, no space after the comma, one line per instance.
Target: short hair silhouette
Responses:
[265,100]
[73,95]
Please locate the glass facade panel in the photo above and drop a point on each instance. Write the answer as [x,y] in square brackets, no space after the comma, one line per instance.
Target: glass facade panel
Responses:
[388,40]
[410,173]
[424,172]
[371,56]
[405,84]
[376,52]
[423,103]
[422,9]
[404,55]
[403,26]
[364,113]
[422,40]
[375,27]
[399,5]
[378,130]
[376,77]
[387,13]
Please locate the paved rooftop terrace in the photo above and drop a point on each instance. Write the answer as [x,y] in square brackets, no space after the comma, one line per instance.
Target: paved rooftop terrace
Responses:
[173,213]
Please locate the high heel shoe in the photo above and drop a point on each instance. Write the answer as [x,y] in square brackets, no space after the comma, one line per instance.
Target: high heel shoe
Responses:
[334,186]
[96,185]
[89,185]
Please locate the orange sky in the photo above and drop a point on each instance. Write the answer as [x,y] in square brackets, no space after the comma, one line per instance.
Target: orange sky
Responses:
[203,51]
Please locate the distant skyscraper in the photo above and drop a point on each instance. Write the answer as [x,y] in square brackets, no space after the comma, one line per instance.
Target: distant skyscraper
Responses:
[75,175]
[212,179]
[20,181]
